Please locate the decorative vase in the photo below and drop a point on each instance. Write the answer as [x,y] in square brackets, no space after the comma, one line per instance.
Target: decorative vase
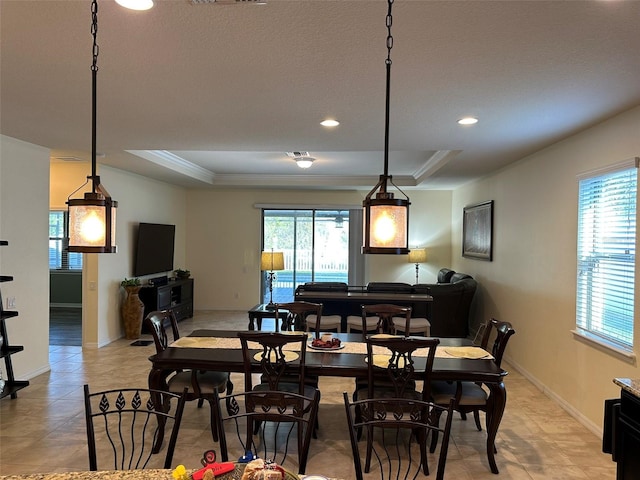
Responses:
[132,313]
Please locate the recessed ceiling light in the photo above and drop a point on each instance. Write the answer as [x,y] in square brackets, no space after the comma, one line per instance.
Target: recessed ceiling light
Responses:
[330,123]
[136,4]
[468,121]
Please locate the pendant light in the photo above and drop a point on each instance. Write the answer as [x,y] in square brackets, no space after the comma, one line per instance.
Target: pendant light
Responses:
[92,219]
[386,219]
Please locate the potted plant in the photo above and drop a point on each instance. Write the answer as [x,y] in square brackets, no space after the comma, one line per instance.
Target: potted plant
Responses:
[132,309]
[180,273]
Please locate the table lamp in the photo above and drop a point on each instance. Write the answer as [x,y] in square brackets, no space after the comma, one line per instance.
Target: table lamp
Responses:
[269,262]
[417,256]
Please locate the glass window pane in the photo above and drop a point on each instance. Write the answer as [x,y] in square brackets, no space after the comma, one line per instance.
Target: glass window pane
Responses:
[315,244]
[59,257]
[606,256]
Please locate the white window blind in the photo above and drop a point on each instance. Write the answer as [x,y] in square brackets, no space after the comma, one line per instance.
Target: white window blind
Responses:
[59,257]
[606,256]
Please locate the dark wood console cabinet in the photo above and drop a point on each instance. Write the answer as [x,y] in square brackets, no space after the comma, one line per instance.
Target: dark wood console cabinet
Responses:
[628,441]
[621,433]
[176,295]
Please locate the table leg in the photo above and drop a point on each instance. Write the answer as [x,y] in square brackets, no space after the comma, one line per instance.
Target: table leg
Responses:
[251,322]
[495,409]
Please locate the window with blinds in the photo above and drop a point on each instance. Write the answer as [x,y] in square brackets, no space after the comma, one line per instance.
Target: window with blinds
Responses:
[606,256]
[59,257]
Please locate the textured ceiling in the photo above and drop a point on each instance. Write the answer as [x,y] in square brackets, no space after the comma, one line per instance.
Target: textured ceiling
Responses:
[205,95]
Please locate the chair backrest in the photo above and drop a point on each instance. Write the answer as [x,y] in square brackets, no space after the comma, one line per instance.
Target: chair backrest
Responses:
[400,454]
[297,313]
[396,366]
[132,422]
[503,330]
[278,354]
[483,333]
[156,323]
[385,312]
[283,410]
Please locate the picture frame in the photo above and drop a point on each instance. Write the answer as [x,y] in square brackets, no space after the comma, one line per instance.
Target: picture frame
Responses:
[477,231]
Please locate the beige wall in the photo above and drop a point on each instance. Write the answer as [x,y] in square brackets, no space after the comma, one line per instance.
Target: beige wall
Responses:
[531,281]
[24,213]
[224,239]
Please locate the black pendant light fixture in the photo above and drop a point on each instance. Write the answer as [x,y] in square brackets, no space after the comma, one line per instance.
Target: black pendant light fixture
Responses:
[386,219]
[92,219]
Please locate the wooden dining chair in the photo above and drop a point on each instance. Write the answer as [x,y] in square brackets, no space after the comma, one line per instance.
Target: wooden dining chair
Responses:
[279,413]
[385,313]
[471,397]
[392,373]
[306,316]
[281,360]
[397,431]
[200,384]
[130,423]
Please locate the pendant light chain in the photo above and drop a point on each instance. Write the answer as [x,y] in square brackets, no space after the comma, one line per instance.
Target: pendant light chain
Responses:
[389,23]
[94,75]
[92,219]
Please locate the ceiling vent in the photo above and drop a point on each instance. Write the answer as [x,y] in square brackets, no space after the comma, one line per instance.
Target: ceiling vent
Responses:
[297,154]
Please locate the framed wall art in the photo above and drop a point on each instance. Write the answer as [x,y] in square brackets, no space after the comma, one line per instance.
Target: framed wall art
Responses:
[477,231]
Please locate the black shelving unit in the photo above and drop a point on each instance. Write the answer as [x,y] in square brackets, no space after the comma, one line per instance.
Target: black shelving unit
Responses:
[12,385]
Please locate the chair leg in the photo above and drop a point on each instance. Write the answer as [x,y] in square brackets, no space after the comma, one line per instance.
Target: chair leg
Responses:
[200,402]
[476,417]
[214,421]
[435,420]
[314,433]
[229,386]
[463,416]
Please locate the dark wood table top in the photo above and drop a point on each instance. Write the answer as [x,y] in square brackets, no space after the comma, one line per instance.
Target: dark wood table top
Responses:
[335,364]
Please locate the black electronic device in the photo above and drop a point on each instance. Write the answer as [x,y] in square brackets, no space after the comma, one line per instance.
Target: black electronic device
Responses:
[154,249]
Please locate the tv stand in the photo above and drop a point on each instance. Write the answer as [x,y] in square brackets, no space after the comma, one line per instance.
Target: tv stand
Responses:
[176,295]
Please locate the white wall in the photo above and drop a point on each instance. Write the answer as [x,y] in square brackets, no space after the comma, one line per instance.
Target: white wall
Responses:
[24,213]
[224,239]
[532,279]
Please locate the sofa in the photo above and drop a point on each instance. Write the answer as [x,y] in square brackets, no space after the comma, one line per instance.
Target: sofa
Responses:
[452,297]
[448,313]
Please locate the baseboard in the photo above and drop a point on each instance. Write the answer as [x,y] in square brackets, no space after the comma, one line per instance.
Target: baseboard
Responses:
[570,409]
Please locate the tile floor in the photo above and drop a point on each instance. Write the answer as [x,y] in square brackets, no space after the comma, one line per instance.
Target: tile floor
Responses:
[43,429]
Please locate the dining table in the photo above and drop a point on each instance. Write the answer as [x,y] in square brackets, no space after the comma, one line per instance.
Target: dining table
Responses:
[456,360]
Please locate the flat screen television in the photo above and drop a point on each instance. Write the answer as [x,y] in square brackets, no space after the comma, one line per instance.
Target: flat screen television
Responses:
[154,249]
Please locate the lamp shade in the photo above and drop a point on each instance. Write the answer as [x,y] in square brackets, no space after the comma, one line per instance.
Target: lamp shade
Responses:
[386,226]
[270,261]
[417,255]
[92,224]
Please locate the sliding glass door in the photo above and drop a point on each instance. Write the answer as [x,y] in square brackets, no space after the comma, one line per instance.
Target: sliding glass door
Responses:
[315,244]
